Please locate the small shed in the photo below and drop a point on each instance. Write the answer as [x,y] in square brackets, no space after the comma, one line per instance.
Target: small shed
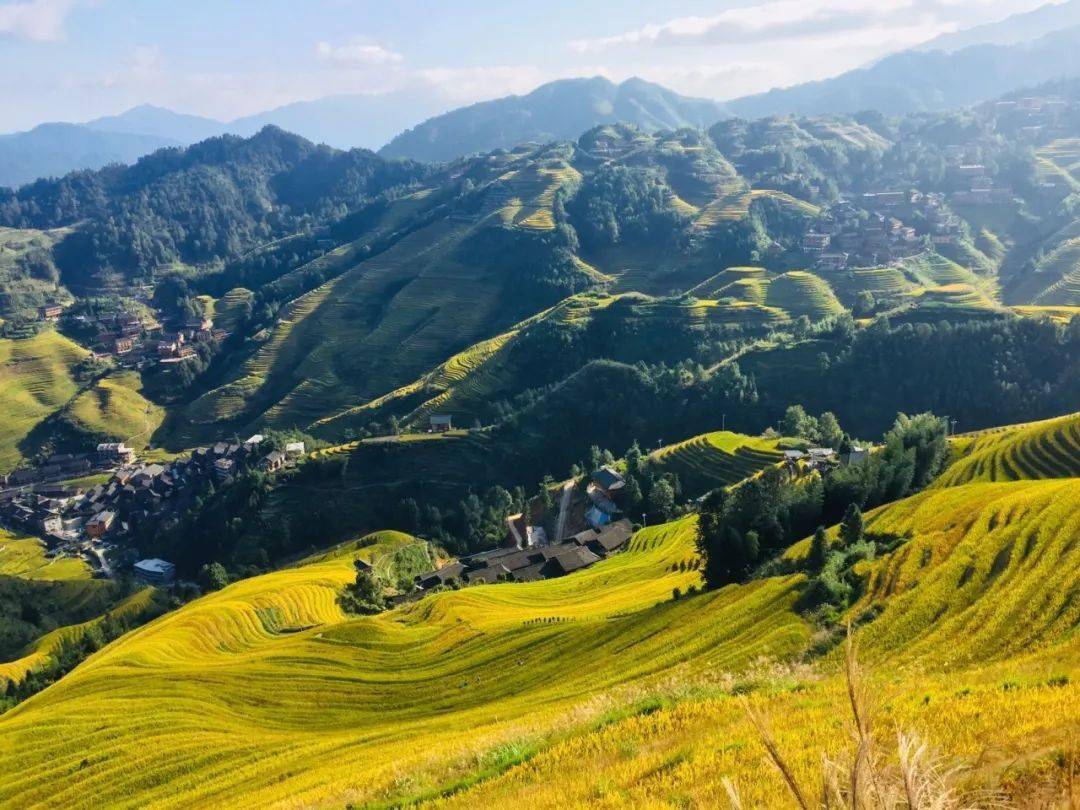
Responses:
[441,422]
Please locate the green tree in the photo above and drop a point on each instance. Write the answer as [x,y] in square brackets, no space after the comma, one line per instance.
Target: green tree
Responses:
[852,528]
[819,550]
[798,423]
[661,501]
[213,577]
[830,434]
[364,595]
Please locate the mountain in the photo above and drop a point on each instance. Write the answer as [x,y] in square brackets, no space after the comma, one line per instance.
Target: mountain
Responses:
[346,121]
[53,150]
[146,119]
[1012,30]
[915,81]
[558,110]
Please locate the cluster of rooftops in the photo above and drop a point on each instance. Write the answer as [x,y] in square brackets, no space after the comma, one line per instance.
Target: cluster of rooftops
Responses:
[532,563]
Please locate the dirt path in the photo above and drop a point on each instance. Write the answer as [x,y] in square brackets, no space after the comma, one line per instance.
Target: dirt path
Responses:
[564,507]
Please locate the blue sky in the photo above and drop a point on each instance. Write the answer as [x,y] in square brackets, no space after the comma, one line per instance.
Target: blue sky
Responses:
[77,59]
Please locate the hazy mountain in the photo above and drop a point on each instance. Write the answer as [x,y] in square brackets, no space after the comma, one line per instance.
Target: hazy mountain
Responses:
[52,150]
[1012,30]
[347,121]
[915,81]
[146,119]
[554,111]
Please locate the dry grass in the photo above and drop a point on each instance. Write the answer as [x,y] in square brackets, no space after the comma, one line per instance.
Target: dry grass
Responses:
[914,777]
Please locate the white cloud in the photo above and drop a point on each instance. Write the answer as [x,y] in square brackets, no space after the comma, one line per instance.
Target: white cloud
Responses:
[807,20]
[358,53]
[36,20]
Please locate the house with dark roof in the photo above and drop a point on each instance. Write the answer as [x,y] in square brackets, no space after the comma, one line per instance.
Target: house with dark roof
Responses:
[272,462]
[441,576]
[608,479]
[573,558]
[611,538]
[488,575]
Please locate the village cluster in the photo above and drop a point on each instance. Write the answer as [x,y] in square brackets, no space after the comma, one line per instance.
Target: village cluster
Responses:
[528,555]
[95,521]
[139,342]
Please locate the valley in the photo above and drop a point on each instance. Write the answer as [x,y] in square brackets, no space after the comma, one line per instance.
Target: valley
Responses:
[590,447]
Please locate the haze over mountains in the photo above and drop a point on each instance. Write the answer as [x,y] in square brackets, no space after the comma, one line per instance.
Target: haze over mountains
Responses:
[953,70]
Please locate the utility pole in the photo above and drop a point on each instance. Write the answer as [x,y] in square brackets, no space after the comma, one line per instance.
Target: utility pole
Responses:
[723,421]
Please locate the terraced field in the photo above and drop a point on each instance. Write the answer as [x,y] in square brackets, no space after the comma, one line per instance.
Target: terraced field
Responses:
[365,334]
[984,671]
[1061,269]
[597,688]
[230,308]
[952,297]
[471,674]
[35,381]
[715,459]
[1059,161]
[1057,314]
[529,194]
[114,409]
[801,293]
[881,282]
[934,270]
[730,205]
[39,652]
[1049,449]
[711,287]
[24,556]
[783,198]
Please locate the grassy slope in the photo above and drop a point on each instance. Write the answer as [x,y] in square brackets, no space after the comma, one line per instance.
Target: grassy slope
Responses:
[38,652]
[35,381]
[228,684]
[265,693]
[114,407]
[23,294]
[387,320]
[24,556]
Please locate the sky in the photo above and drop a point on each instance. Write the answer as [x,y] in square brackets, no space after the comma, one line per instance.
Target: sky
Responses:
[73,60]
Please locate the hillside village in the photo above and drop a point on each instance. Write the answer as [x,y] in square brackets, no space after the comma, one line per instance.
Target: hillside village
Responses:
[99,522]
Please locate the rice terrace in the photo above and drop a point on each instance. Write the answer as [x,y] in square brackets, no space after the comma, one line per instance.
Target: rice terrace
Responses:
[420,405]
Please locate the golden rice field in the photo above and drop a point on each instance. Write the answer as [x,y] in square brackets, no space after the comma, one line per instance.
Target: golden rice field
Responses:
[265,693]
[715,459]
[35,381]
[114,407]
[731,204]
[1048,449]
[951,296]
[1061,269]
[1056,314]
[786,200]
[24,556]
[39,652]
[230,308]
[1059,161]
[799,292]
[595,689]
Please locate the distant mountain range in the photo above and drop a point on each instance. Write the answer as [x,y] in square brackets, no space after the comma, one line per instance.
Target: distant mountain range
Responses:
[1012,30]
[953,70]
[51,150]
[558,110]
[915,81]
